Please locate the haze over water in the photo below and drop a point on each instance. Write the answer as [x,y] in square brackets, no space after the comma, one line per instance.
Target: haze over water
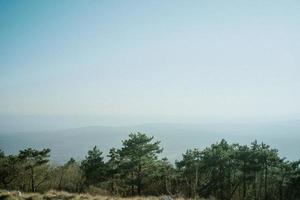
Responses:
[72,64]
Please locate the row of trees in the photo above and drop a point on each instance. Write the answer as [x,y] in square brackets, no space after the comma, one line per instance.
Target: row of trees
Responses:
[225,171]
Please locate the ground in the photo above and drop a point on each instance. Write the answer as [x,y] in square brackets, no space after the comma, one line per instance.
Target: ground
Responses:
[59,195]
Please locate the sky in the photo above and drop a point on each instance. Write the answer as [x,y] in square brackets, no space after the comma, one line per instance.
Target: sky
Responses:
[149,61]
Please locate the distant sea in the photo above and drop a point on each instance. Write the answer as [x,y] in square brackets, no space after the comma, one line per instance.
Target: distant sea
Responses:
[175,138]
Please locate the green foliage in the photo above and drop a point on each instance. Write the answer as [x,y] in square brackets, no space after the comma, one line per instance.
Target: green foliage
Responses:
[223,171]
[34,158]
[134,161]
[93,167]
[68,177]
[8,170]
[34,162]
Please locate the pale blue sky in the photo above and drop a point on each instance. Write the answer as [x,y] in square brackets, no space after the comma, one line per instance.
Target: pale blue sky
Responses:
[155,60]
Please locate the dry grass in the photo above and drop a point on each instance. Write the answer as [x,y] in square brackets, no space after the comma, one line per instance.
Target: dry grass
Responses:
[60,195]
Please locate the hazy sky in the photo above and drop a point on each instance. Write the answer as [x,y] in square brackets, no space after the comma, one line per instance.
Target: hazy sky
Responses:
[152,59]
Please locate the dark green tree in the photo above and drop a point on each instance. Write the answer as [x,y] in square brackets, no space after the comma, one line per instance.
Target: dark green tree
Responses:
[94,167]
[32,160]
[137,156]
[190,167]
[161,179]
[113,171]
[9,169]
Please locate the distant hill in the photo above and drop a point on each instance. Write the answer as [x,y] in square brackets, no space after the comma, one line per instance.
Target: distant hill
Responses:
[175,138]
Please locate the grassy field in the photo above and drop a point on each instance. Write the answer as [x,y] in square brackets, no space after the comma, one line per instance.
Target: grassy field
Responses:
[59,195]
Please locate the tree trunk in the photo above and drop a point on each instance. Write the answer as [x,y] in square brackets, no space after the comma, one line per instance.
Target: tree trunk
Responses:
[254,186]
[260,185]
[60,179]
[196,182]
[222,175]
[244,180]
[139,181]
[32,179]
[132,184]
[266,181]
[281,188]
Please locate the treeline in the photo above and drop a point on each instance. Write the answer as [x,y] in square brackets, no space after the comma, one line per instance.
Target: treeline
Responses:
[224,171]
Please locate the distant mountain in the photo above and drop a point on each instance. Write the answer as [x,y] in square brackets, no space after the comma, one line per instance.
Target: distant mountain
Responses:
[175,138]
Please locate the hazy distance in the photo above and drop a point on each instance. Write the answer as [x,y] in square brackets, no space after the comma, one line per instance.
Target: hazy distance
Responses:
[160,61]
[71,64]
